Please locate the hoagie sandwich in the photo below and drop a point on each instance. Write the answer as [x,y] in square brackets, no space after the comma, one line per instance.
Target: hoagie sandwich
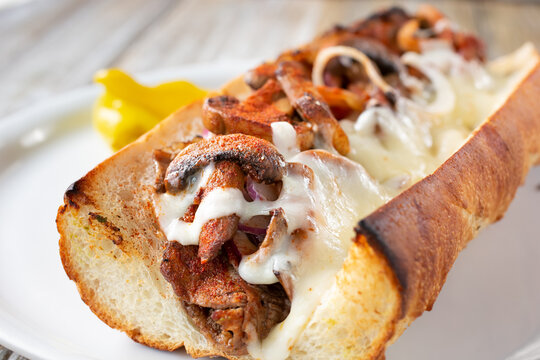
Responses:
[312,208]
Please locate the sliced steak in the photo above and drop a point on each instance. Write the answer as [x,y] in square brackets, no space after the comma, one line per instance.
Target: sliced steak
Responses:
[228,310]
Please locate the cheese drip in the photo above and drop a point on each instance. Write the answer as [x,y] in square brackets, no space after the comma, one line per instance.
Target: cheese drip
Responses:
[336,207]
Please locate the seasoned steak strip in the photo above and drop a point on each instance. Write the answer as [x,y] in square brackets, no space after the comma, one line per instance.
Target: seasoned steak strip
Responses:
[221,304]
[228,310]
[382,26]
[217,231]
[294,80]
[225,114]
[254,116]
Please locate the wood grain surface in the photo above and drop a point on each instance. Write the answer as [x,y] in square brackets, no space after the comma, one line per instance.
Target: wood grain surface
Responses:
[52,46]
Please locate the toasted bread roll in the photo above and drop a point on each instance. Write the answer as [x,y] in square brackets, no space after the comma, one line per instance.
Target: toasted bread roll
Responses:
[393,268]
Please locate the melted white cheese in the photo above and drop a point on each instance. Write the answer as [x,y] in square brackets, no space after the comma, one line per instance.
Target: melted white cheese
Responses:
[445,99]
[336,207]
[170,208]
[294,199]
[284,138]
[390,150]
[401,146]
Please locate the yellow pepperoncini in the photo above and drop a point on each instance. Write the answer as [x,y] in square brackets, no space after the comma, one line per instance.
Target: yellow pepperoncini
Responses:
[127,109]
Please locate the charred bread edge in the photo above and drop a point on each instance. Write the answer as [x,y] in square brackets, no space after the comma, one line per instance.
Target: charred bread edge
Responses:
[422,231]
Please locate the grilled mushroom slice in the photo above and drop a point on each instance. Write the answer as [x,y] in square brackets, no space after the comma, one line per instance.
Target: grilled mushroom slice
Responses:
[256,157]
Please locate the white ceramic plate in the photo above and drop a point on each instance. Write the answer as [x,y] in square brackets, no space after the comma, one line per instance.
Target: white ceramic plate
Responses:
[489,307]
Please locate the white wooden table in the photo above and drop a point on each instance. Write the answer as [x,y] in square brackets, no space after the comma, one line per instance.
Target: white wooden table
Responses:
[51,46]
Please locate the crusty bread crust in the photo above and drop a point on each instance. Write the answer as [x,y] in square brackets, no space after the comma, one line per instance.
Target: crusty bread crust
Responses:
[111,245]
[422,231]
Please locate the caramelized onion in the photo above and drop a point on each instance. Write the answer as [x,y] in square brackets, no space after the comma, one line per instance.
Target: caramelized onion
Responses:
[328,53]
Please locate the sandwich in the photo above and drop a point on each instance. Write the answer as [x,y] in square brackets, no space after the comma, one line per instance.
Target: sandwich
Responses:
[313,207]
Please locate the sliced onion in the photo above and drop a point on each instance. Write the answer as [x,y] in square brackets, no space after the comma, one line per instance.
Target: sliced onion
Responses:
[252,190]
[445,97]
[259,191]
[206,133]
[325,55]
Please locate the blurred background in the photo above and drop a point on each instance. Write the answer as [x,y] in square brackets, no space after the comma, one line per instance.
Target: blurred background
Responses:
[52,46]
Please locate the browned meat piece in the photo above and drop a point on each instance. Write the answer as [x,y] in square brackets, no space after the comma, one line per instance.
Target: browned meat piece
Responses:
[382,26]
[469,46]
[217,231]
[219,301]
[308,102]
[212,285]
[256,157]
[189,215]
[225,114]
[258,76]
[163,157]
[254,116]
[230,321]
[277,229]
[338,97]
[421,28]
